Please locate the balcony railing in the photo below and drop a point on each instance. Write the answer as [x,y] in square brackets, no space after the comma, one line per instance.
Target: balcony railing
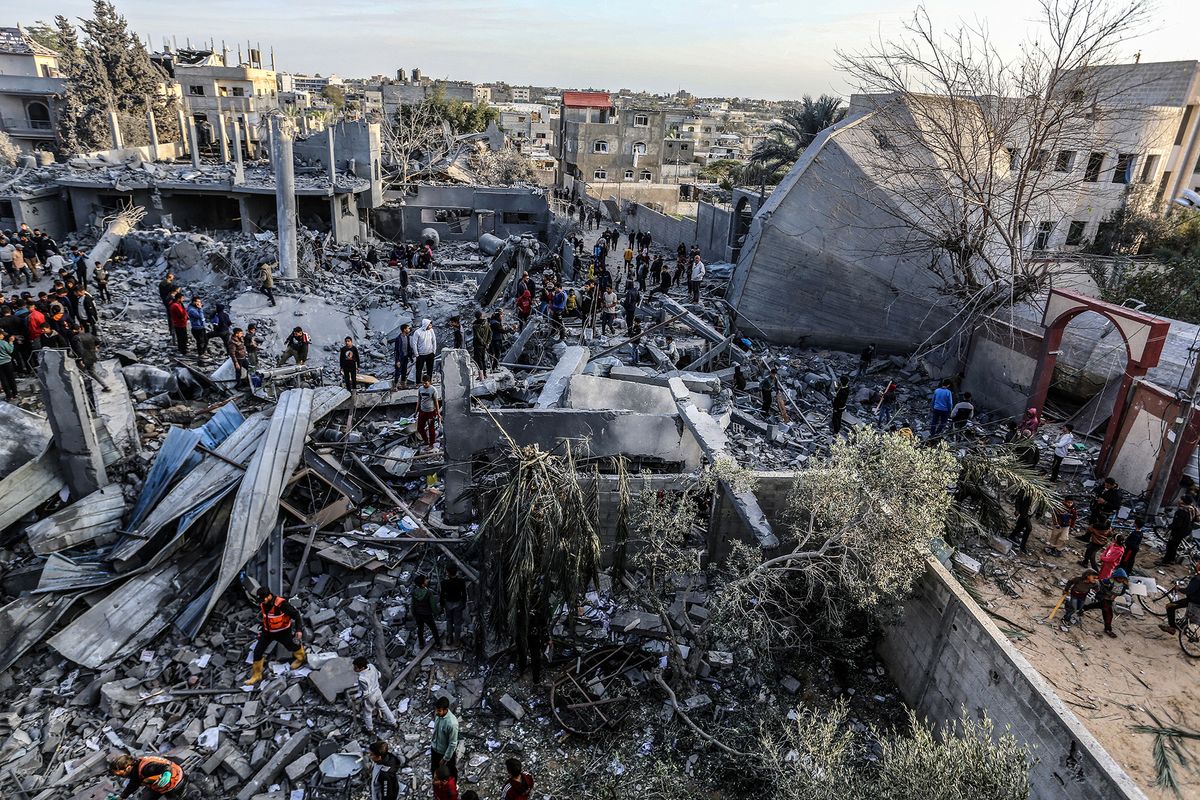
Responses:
[19,126]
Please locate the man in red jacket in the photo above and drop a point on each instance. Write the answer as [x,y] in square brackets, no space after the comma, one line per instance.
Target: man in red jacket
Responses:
[177,313]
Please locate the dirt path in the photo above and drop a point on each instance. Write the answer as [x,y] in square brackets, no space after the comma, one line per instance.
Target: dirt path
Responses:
[1110,684]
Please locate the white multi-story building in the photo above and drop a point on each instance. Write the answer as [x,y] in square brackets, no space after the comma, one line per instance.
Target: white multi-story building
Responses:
[29,88]
[313,84]
[210,90]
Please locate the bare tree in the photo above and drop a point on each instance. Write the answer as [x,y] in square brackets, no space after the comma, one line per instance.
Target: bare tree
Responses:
[969,150]
[413,133]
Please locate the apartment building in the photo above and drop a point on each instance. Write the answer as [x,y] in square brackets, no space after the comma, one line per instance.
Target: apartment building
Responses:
[209,89]
[313,84]
[29,88]
[532,126]
[600,142]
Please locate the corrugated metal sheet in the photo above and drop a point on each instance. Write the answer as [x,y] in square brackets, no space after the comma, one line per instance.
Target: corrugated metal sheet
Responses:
[178,456]
[63,574]
[256,506]
[26,620]
[28,486]
[131,615]
[88,518]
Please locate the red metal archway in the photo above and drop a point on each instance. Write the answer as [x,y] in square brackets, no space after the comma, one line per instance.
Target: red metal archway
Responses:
[1144,339]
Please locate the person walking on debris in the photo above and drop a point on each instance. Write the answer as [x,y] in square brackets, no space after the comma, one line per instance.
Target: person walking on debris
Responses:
[1107,590]
[425,610]
[85,310]
[519,785]
[444,747]
[1112,556]
[1099,534]
[179,322]
[1064,520]
[429,411]
[1189,603]
[295,346]
[402,353]
[481,342]
[454,598]
[887,404]
[865,358]
[1062,449]
[281,624]
[1182,521]
[696,277]
[1077,592]
[100,278]
[767,387]
[199,326]
[87,350]
[444,785]
[1133,543]
[499,333]
[238,354]
[1023,504]
[840,398]
[524,304]
[348,360]
[266,280]
[942,404]
[456,332]
[384,783]
[222,325]
[608,311]
[630,303]
[370,695]
[7,375]
[635,342]
[962,413]
[158,776]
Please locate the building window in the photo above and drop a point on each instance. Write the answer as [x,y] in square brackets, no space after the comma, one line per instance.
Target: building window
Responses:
[1123,171]
[1064,161]
[1094,165]
[198,91]
[641,120]
[683,147]
[1149,168]
[1075,232]
[639,148]
[628,174]
[599,146]
[223,91]
[239,91]
[647,175]
[1014,158]
[1041,159]
[1042,240]
[600,175]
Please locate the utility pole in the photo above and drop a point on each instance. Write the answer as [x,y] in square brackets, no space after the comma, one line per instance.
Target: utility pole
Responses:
[1180,429]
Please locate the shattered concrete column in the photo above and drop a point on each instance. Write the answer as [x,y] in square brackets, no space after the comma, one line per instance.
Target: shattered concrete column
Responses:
[221,137]
[244,214]
[114,130]
[283,133]
[152,132]
[331,162]
[193,142]
[239,171]
[456,405]
[71,421]
[572,362]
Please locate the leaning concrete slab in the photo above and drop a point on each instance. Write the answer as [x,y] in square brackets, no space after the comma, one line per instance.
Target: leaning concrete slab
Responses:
[572,362]
[67,408]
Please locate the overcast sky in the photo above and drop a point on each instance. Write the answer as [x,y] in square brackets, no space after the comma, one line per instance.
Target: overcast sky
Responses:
[778,49]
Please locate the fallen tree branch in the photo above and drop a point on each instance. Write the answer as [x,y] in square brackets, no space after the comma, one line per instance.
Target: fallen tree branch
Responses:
[695,728]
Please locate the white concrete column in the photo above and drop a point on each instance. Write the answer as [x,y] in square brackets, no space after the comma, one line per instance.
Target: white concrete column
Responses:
[193,142]
[184,145]
[331,163]
[114,130]
[282,136]
[222,139]
[239,172]
[152,132]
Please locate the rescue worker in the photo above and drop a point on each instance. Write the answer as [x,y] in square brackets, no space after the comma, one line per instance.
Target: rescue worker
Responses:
[159,776]
[280,623]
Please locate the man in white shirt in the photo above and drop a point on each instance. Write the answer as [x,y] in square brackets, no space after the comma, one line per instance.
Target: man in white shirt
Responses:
[1062,449]
[371,695]
[424,342]
[696,278]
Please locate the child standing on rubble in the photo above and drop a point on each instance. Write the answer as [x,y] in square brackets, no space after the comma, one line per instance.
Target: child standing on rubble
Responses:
[348,359]
[1064,521]
[429,411]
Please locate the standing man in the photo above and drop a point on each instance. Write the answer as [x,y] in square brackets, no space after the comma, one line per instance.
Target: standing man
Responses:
[266,280]
[7,376]
[403,356]
[166,293]
[384,785]
[608,310]
[86,311]
[840,399]
[280,624]
[253,345]
[444,749]
[767,386]
[425,611]
[496,346]
[454,598]
[222,325]
[1062,449]
[199,325]
[865,358]
[238,355]
[943,402]
[370,694]
[1180,528]
[348,360]
[429,410]
[100,278]
[425,346]
[630,303]
[696,277]
[481,342]
[1191,597]
[1023,503]
[178,316]
[404,285]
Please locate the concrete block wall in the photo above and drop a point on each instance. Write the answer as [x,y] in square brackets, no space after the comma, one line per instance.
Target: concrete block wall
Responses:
[709,230]
[946,654]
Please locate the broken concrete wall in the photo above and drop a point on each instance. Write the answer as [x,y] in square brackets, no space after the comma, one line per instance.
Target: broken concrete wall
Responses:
[1142,442]
[48,212]
[946,655]
[1001,366]
[708,230]
[357,147]
[593,392]
[464,213]
[728,526]
[712,231]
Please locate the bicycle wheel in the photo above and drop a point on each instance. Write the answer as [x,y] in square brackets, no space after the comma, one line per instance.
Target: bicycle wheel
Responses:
[1151,606]
[1189,639]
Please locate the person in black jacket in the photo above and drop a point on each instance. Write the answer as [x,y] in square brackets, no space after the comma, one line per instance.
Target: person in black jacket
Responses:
[403,357]
[1181,525]
[454,598]
[840,399]
[384,765]
[348,360]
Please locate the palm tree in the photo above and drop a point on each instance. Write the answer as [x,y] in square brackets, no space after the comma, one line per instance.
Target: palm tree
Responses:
[796,131]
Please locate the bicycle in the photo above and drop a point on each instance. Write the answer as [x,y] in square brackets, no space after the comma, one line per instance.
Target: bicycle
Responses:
[1187,628]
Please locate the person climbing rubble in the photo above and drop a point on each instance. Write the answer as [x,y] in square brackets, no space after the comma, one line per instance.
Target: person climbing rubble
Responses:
[425,610]
[281,623]
[295,346]
[348,360]
[266,280]
[149,776]
[370,695]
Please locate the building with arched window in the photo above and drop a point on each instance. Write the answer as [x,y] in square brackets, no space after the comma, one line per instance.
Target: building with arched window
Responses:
[29,88]
[622,143]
